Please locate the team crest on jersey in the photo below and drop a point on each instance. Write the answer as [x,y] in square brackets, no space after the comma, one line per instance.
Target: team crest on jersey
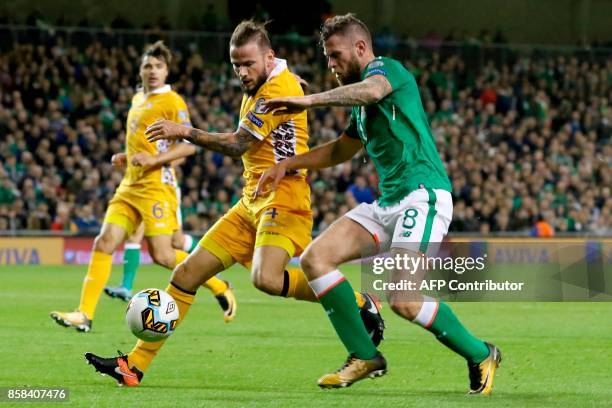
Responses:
[259,106]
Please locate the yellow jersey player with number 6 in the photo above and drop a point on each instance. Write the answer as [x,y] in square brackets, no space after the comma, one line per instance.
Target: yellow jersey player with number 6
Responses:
[146,194]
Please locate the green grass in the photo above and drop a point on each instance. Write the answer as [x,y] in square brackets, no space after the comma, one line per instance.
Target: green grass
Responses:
[555,354]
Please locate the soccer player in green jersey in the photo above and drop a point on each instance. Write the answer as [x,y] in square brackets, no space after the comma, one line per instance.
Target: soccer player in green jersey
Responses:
[412,214]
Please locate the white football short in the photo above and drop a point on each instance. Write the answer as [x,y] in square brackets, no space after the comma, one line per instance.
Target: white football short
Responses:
[418,222]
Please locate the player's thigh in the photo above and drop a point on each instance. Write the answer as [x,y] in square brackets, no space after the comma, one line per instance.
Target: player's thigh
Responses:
[232,238]
[200,266]
[268,268]
[343,241]
[122,212]
[109,238]
[137,236]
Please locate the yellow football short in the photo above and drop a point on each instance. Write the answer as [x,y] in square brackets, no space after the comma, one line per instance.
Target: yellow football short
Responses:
[157,211]
[283,220]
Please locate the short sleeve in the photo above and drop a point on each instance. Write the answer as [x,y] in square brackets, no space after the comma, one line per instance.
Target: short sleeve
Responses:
[351,129]
[181,113]
[395,73]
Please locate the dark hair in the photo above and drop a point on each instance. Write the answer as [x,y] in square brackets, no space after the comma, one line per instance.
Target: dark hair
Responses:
[343,25]
[248,31]
[160,51]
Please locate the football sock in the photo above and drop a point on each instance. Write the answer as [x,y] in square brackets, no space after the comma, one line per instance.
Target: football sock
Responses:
[338,299]
[439,319]
[99,270]
[143,353]
[360,300]
[190,243]
[296,286]
[216,285]
[179,256]
[131,261]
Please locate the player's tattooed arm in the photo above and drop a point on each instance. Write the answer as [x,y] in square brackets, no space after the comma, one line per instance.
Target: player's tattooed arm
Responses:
[230,144]
[366,92]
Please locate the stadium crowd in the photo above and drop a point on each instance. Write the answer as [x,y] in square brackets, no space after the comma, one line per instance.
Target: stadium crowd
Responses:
[526,144]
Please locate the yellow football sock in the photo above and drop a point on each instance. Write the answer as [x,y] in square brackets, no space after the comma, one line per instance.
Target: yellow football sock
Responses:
[179,256]
[360,300]
[299,289]
[99,270]
[216,285]
[144,351]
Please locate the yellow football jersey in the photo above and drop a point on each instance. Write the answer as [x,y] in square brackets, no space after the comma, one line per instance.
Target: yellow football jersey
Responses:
[281,136]
[162,103]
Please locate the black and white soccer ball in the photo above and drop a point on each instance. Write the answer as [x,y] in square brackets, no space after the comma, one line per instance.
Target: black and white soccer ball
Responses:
[152,315]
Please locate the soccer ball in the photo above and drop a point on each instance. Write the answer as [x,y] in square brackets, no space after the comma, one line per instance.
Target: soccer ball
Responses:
[152,315]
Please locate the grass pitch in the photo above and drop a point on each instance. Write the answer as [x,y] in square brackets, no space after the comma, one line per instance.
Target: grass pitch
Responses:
[555,354]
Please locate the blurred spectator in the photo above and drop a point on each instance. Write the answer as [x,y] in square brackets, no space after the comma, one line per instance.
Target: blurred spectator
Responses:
[62,221]
[360,190]
[520,136]
[542,228]
[85,220]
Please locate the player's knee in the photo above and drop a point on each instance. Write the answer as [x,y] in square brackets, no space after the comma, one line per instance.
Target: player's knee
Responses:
[406,309]
[104,243]
[267,282]
[164,258]
[313,263]
[183,277]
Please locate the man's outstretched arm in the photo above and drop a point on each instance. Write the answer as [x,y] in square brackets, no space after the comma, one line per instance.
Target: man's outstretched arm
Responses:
[366,92]
[326,155]
[231,144]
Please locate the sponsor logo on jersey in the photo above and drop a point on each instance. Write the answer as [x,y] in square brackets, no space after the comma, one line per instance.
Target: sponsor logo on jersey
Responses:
[376,71]
[254,119]
[183,115]
[375,64]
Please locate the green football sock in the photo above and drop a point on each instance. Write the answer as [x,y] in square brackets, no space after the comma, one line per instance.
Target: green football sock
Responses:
[131,262]
[449,331]
[338,299]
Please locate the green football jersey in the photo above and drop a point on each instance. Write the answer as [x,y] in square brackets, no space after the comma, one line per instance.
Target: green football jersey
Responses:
[397,137]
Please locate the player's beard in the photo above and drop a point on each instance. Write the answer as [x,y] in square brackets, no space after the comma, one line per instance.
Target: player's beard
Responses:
[352,74]
[259,82]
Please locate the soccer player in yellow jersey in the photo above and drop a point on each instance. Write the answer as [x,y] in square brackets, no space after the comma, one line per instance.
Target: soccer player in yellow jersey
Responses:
[146,194]
[180,240]
[260,233]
